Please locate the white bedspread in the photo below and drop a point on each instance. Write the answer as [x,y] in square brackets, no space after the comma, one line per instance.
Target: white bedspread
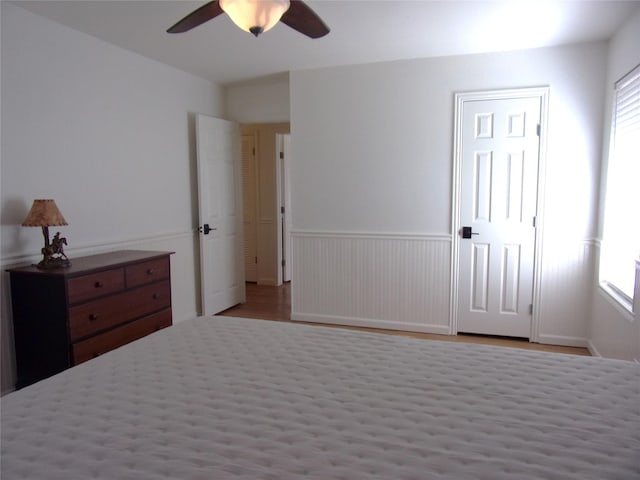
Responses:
[231,398]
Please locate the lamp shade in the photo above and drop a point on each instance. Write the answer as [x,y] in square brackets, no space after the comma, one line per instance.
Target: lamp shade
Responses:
[44,213]
[255,16]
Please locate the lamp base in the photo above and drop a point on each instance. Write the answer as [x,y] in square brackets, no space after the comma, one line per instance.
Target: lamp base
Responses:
[53,255]
[53,263]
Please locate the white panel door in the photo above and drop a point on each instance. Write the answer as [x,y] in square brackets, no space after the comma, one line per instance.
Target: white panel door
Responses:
[500,146]
[287,205]
[220,214]
[284,198]
[249,207]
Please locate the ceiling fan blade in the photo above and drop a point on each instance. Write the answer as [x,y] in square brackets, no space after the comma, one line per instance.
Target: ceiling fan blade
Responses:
[197,17]
[300,17]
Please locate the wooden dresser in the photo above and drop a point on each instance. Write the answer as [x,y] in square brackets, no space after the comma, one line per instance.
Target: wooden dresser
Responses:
[66,316]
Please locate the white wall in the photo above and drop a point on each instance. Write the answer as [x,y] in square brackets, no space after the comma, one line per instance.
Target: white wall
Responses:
[614,333]
[264,100]
[110,136]
[373,150]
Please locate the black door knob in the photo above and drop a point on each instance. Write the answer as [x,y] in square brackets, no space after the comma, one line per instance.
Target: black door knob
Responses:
[467,232]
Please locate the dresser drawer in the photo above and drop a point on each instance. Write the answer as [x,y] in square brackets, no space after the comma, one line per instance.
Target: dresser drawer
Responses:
[95,285]
[102,343]
[98,315]
[147,272]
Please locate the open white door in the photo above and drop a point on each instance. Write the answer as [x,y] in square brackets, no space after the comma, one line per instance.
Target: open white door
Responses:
[498,147]
[283,142]
[250,207]
[220,214]
[287,212]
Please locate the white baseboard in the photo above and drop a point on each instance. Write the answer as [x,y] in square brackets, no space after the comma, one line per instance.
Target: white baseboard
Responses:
[184,318]
[592,349]
[563,341]
[371,323]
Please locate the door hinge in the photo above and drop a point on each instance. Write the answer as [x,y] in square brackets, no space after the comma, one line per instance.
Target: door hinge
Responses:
[256,259]
[535,221]
[284,262]
[531,309]
[254,151]
[538,130]
[282,210]
[281,155]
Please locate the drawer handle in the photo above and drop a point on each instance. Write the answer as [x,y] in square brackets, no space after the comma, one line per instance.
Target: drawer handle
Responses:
[93,317]
[154,296]
[151,271]
[99,285]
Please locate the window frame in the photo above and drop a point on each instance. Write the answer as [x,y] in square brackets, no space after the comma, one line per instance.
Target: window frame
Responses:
[628,304]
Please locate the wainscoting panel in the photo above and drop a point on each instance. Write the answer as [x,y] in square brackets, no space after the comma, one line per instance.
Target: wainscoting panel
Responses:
[392,281]
[566,286]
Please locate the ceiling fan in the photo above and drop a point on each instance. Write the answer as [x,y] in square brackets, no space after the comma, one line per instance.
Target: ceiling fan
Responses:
[257,16]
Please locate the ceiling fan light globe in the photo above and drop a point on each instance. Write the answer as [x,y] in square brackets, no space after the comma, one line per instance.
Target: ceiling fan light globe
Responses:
[251,15]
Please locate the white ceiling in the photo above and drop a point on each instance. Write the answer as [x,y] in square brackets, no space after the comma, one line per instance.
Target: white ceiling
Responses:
[362,31]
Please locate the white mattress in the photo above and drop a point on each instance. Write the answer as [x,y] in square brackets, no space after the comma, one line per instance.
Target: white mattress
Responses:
[230,398]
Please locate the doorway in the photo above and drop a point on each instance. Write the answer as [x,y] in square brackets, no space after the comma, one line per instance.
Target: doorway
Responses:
[498,157]
[262,206]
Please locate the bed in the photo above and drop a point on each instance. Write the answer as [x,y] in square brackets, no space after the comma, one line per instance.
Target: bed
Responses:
[232,398]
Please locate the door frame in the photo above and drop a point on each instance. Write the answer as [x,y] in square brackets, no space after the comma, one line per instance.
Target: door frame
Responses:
[460,98]
[283,187]
[254,206]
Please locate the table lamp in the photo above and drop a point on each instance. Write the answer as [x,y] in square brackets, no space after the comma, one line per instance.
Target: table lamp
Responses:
[44,213]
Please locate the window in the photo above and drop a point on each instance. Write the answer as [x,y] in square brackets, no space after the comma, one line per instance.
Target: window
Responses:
[621,235]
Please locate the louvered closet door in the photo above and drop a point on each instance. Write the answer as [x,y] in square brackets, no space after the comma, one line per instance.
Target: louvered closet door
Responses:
[499,175]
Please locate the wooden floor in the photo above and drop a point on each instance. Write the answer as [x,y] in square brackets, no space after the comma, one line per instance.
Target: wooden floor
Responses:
[274,303]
